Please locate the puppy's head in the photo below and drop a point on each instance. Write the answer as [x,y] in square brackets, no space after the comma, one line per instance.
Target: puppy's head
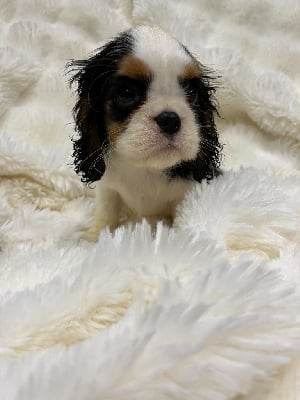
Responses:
[144,99]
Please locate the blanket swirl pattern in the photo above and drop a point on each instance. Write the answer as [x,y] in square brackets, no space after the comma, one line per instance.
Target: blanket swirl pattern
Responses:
[207,309]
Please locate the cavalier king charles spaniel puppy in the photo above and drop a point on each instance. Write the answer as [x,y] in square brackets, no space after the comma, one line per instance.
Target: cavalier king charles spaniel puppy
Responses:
[145,124]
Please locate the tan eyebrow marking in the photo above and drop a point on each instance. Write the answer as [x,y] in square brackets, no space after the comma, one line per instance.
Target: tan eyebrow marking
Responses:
[134,67]
[191,70]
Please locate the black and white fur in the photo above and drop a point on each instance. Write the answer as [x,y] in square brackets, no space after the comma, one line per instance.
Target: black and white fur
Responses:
[145,119]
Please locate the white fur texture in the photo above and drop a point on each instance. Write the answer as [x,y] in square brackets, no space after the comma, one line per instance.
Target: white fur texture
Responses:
[206,310]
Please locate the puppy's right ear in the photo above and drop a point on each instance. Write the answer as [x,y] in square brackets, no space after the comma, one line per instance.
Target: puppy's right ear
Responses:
[93,77]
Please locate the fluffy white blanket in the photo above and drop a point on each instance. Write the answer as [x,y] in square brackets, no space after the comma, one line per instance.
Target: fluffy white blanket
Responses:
[206,310]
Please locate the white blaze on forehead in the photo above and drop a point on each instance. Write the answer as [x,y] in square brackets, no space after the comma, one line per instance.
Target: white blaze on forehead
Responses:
[163,54]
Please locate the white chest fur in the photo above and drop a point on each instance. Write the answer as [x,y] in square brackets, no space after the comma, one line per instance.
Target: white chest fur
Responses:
[138,193]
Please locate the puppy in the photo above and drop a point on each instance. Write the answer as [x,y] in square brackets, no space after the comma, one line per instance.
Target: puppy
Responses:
[145,119]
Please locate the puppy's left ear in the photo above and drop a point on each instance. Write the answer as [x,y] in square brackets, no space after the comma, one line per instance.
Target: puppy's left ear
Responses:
[93,77]
[207,163]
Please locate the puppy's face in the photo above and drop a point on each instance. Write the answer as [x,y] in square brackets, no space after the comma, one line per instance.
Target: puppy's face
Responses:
[144,99]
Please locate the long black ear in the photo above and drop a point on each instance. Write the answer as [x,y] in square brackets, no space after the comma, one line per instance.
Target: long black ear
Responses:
[92,77]
[207,163]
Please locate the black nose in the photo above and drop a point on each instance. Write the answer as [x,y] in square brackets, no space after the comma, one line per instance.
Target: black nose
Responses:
[169,122]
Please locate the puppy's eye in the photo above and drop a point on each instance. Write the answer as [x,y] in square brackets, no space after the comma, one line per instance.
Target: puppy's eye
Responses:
[191,89]
[191,92]
[126,95]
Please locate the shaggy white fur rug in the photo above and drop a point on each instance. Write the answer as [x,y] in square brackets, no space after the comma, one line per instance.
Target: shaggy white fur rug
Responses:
[206,310]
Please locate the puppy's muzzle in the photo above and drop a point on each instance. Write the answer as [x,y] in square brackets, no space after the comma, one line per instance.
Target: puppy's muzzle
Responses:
[168,122]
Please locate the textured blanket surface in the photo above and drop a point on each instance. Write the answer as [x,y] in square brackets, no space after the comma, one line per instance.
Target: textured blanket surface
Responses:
[208,309]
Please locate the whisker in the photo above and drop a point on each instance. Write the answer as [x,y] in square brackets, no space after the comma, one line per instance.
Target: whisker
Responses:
[89,156]
[103,149]
[93,165]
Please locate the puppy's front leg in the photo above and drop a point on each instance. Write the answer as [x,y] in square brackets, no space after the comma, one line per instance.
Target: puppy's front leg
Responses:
[107,212]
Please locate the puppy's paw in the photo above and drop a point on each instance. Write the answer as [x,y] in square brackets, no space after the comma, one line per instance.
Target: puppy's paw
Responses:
[91,235]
